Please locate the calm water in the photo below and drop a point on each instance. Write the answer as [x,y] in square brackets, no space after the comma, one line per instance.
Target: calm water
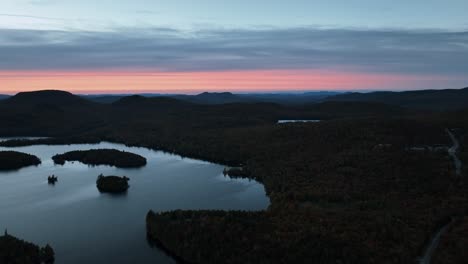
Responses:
[285,121]
[84,226]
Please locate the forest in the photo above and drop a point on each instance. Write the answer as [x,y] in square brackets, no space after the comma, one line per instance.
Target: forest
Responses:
[13,160]
[111,157]
[16,251]
[112,184]
[371,183]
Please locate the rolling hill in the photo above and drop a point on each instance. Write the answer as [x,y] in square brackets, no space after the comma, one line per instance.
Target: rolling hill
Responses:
[439,100]
[46,97]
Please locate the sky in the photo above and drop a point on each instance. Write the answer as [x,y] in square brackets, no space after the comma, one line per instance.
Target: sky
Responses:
[186,46]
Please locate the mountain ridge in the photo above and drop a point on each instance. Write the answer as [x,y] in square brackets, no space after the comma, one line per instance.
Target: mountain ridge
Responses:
[446,99]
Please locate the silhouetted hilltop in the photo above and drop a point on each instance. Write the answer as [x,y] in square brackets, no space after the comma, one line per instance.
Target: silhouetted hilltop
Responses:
[4,96]
[47,97]
[450,99]
[50,112]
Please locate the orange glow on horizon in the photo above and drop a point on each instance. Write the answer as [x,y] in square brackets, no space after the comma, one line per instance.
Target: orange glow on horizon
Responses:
[193,82]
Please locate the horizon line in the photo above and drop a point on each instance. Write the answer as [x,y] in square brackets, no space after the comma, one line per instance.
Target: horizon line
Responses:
[240,92]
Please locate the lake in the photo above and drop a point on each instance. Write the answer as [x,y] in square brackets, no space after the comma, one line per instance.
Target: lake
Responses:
[285,121]
[85,226]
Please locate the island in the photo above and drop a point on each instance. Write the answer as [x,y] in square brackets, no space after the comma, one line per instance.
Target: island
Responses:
[12,160]
[52,179]
[17,251]
[112,184]
[111,157]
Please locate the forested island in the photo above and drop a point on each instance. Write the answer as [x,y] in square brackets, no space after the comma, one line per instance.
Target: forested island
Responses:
[111,157]
[361,186]
[13,160]
[17,251]
[112,184]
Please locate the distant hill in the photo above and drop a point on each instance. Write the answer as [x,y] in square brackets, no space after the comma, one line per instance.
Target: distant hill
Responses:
[450,99]
[50,112]
[203,98]
[278,98]
[138,101]
[104,99]
[46,97]
[210,98]
[3,96]
[293,98]
[214,98]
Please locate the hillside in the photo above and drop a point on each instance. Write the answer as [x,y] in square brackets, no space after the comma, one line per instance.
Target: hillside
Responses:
[50,112]
[46,97]
[450,99]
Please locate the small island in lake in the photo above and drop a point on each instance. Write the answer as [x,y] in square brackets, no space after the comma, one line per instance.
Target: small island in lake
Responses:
[112,184]
[111,157]
[52,179]
[16,251]
[12,160]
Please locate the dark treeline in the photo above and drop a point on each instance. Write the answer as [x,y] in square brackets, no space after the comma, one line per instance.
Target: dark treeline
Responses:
[341,188]
[449,99]
[112,184]
[16,251]
[362,187]
[12,160]
[111,157]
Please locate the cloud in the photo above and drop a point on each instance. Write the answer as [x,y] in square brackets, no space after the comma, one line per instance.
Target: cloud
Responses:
[42,2]
[167,49]
[35,17]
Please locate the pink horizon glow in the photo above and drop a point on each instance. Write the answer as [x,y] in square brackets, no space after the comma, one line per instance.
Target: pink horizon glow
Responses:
[93,82]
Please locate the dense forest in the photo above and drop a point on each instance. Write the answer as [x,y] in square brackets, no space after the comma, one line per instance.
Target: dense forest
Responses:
[16,251]
[112,184]
[111,157]
[449,99]
[12,160]
[371,183]
[452,248]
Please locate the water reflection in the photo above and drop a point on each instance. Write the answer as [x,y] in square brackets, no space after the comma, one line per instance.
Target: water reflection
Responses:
[285,121]
[85,226]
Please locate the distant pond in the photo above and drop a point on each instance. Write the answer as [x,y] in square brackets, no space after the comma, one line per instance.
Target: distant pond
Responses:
[20,138]
[85,226]
[285,121]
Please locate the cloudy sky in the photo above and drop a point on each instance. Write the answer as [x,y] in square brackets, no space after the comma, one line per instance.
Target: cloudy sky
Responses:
[192,46]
